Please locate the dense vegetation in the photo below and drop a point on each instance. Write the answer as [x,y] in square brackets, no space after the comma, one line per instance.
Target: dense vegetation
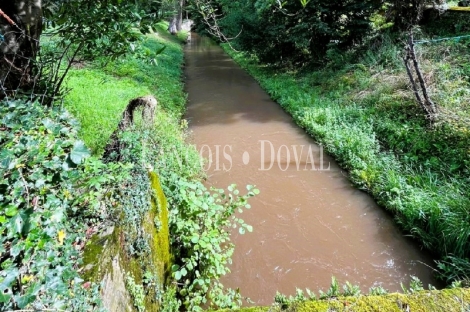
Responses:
[334,66]
[56,193]
[302,32]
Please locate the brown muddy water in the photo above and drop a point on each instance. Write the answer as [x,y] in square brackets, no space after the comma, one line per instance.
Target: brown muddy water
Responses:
[309,225]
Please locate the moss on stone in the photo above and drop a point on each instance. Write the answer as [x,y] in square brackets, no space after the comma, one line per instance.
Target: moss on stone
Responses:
[447,300]
[98,254]
[155,225]
[459,9]
[104,250]
[161,238]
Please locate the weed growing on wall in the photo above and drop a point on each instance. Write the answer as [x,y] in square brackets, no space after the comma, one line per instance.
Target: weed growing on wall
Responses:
[200,219]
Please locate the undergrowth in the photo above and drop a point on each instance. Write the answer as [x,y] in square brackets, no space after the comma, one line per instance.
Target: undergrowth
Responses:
[51,193]
[200,219]
[54,195]
[361,108]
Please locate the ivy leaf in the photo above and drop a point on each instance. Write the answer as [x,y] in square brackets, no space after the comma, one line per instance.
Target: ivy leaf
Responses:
[26,218]
[5,295]
[16,249]
[61,236]
[11,211]
[79,152]
[195,239]
[23,301]
[11,275]
[17,223]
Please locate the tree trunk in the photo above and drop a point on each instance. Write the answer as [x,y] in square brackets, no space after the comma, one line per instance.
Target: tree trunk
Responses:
[20,29]
[179,16]
[172,26]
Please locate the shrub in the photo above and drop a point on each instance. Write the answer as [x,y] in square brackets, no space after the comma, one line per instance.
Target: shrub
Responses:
[49,190]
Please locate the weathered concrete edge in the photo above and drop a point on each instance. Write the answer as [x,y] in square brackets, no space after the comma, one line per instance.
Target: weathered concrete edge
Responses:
[447,300]
[106,261]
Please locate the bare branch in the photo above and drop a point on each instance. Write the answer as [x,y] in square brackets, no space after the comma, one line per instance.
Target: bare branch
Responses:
[427,105]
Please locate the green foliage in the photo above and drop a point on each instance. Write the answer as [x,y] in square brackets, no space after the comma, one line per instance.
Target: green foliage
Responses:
[406,14]
[137,293]
[200,224]
[284,302]
[281,300]
[296,32]
[377,291]
[200,220]
[415,284]
[351,290]
[451,23]
[49,188]
[171,302]
[333,292]
[455,269]
[99,28]
[73,31]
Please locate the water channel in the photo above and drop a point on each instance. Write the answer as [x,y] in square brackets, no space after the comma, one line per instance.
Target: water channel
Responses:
[309,225]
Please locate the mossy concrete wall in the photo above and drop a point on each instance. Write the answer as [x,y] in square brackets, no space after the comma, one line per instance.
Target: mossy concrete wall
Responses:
[160,244]
[447,300]
[107,262]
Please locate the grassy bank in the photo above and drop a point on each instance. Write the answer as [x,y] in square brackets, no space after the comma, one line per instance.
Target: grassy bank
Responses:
[198,217]
[100,91]
[447,300]
[62,205]
[361,108]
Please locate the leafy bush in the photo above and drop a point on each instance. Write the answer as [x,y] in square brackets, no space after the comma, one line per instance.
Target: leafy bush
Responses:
[296,32]
[200,220]
[49,190]
[200,224]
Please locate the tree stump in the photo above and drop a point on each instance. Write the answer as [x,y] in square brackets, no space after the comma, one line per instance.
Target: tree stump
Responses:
[148,104]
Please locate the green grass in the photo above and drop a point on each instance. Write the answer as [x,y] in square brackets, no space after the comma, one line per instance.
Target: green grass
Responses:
[363,111]
[443,301]
[98,100]
[99,94]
